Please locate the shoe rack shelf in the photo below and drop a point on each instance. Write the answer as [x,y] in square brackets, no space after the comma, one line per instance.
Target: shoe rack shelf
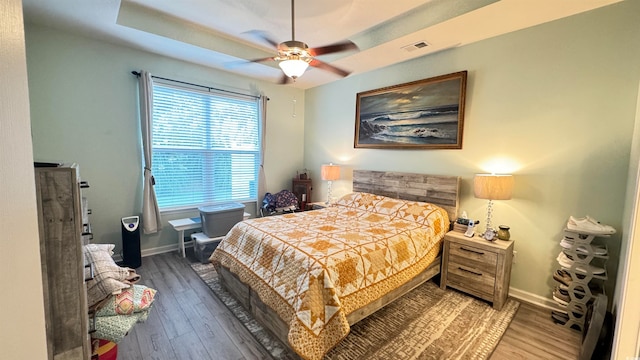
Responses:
[584,258]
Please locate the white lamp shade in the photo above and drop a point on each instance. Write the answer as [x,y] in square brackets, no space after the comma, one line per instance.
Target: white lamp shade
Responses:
[493,187]
[330,172]
[293,68]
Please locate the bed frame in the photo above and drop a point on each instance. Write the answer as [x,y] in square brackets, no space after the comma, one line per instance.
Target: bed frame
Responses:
[439,190]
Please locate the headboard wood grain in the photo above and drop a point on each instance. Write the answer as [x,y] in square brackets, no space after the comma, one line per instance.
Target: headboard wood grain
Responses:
[436,189]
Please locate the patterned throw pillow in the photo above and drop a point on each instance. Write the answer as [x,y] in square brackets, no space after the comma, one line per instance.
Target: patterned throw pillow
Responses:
[135,299]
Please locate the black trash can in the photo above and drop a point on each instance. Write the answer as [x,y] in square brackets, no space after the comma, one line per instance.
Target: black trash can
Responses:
[131,256]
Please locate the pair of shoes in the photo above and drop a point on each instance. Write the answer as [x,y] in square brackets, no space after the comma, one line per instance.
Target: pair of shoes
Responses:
[562,318]
[589,225]
[559,318]
[566,262]
[579,290]
[561,297]
[583,249]
[563,277]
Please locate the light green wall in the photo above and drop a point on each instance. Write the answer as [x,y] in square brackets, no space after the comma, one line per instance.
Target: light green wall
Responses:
[557,101]
[84,110]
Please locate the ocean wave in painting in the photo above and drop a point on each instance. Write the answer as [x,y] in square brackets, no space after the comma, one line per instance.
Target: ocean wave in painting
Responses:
[432,126]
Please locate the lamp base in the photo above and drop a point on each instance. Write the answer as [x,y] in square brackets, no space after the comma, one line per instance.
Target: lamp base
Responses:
[328,193]
[489,213]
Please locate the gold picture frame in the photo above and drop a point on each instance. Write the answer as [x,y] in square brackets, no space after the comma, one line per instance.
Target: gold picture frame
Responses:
[423,114]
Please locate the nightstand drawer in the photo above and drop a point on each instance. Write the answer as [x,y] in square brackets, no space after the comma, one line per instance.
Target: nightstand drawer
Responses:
[473,258]
[471,280]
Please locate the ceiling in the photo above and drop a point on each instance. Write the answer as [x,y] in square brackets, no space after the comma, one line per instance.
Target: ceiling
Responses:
[216,33]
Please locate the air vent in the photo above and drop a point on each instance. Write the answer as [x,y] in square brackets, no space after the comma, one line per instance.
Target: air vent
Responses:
[415,46]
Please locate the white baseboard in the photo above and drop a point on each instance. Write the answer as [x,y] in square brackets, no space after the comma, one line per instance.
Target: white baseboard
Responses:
[164,249]
[534,299]
[156,250]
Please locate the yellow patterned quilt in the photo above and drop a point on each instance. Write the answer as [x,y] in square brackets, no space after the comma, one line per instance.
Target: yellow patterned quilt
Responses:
[316,267]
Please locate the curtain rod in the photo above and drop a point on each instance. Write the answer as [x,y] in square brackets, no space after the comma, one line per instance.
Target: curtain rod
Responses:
[136,73]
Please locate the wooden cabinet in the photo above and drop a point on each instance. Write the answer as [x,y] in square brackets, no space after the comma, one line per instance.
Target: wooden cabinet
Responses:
[60,222]
[302,190]
[478,267]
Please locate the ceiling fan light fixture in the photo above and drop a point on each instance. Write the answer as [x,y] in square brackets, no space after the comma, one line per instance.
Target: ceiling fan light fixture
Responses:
[293,68]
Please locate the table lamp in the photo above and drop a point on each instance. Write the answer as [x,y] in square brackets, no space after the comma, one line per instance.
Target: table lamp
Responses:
[492,187]
[329,173]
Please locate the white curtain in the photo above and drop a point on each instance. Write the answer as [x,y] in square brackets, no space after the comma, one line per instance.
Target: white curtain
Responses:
[150,213]
[262,181]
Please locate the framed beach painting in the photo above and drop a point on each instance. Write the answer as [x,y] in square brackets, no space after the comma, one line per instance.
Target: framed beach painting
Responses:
[423,114]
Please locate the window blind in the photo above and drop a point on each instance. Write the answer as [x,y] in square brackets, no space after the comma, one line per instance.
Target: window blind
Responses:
[206,147]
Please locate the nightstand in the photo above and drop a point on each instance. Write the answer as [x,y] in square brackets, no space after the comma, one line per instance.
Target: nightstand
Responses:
[477,267]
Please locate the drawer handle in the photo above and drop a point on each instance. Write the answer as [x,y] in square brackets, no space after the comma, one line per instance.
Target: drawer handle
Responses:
[91,272]
[469,271]
[92,321]
[473,251]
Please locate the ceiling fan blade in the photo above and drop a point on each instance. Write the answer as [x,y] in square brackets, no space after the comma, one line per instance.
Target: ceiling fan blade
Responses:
[337,47]
[235,64]
[270,58]
[284,79]
[263,36]
[324,66]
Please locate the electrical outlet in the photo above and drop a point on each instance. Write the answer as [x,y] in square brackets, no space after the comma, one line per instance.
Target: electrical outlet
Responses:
[514,256]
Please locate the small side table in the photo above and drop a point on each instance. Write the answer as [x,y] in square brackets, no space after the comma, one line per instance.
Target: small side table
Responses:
[478,267]
[180,225]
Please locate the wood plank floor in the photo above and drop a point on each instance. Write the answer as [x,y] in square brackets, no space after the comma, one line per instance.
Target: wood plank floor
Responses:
[188,321]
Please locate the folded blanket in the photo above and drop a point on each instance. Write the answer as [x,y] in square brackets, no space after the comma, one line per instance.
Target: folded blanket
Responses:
[133,300]
[115,328]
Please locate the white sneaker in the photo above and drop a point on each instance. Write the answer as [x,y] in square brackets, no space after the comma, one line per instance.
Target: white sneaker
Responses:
[567,262]
[583,249]
[589,225]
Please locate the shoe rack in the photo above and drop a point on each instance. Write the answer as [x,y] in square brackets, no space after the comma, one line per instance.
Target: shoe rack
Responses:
[586,254]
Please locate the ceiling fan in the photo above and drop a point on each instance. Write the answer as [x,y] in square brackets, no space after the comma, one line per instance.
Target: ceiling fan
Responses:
[295,56]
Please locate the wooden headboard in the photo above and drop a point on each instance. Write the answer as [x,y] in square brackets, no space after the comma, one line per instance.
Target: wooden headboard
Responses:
[436,189]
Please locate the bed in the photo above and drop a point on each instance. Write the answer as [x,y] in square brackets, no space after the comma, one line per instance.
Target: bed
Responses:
[308,276]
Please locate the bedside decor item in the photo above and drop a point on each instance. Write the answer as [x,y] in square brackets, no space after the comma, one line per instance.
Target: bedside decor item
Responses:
[423,114]
[492,187]
[503,232]
[303,174]
[329,173]
[489,234]
[471,230]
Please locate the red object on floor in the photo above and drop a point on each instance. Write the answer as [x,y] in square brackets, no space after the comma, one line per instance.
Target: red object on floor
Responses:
[107,350]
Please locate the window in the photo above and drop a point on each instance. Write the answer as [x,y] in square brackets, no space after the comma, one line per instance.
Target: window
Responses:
[206,147]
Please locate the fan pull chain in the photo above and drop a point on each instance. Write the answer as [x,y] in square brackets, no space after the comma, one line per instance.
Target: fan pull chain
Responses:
[294,107]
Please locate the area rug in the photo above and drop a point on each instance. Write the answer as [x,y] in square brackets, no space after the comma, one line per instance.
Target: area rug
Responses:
[426,323]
